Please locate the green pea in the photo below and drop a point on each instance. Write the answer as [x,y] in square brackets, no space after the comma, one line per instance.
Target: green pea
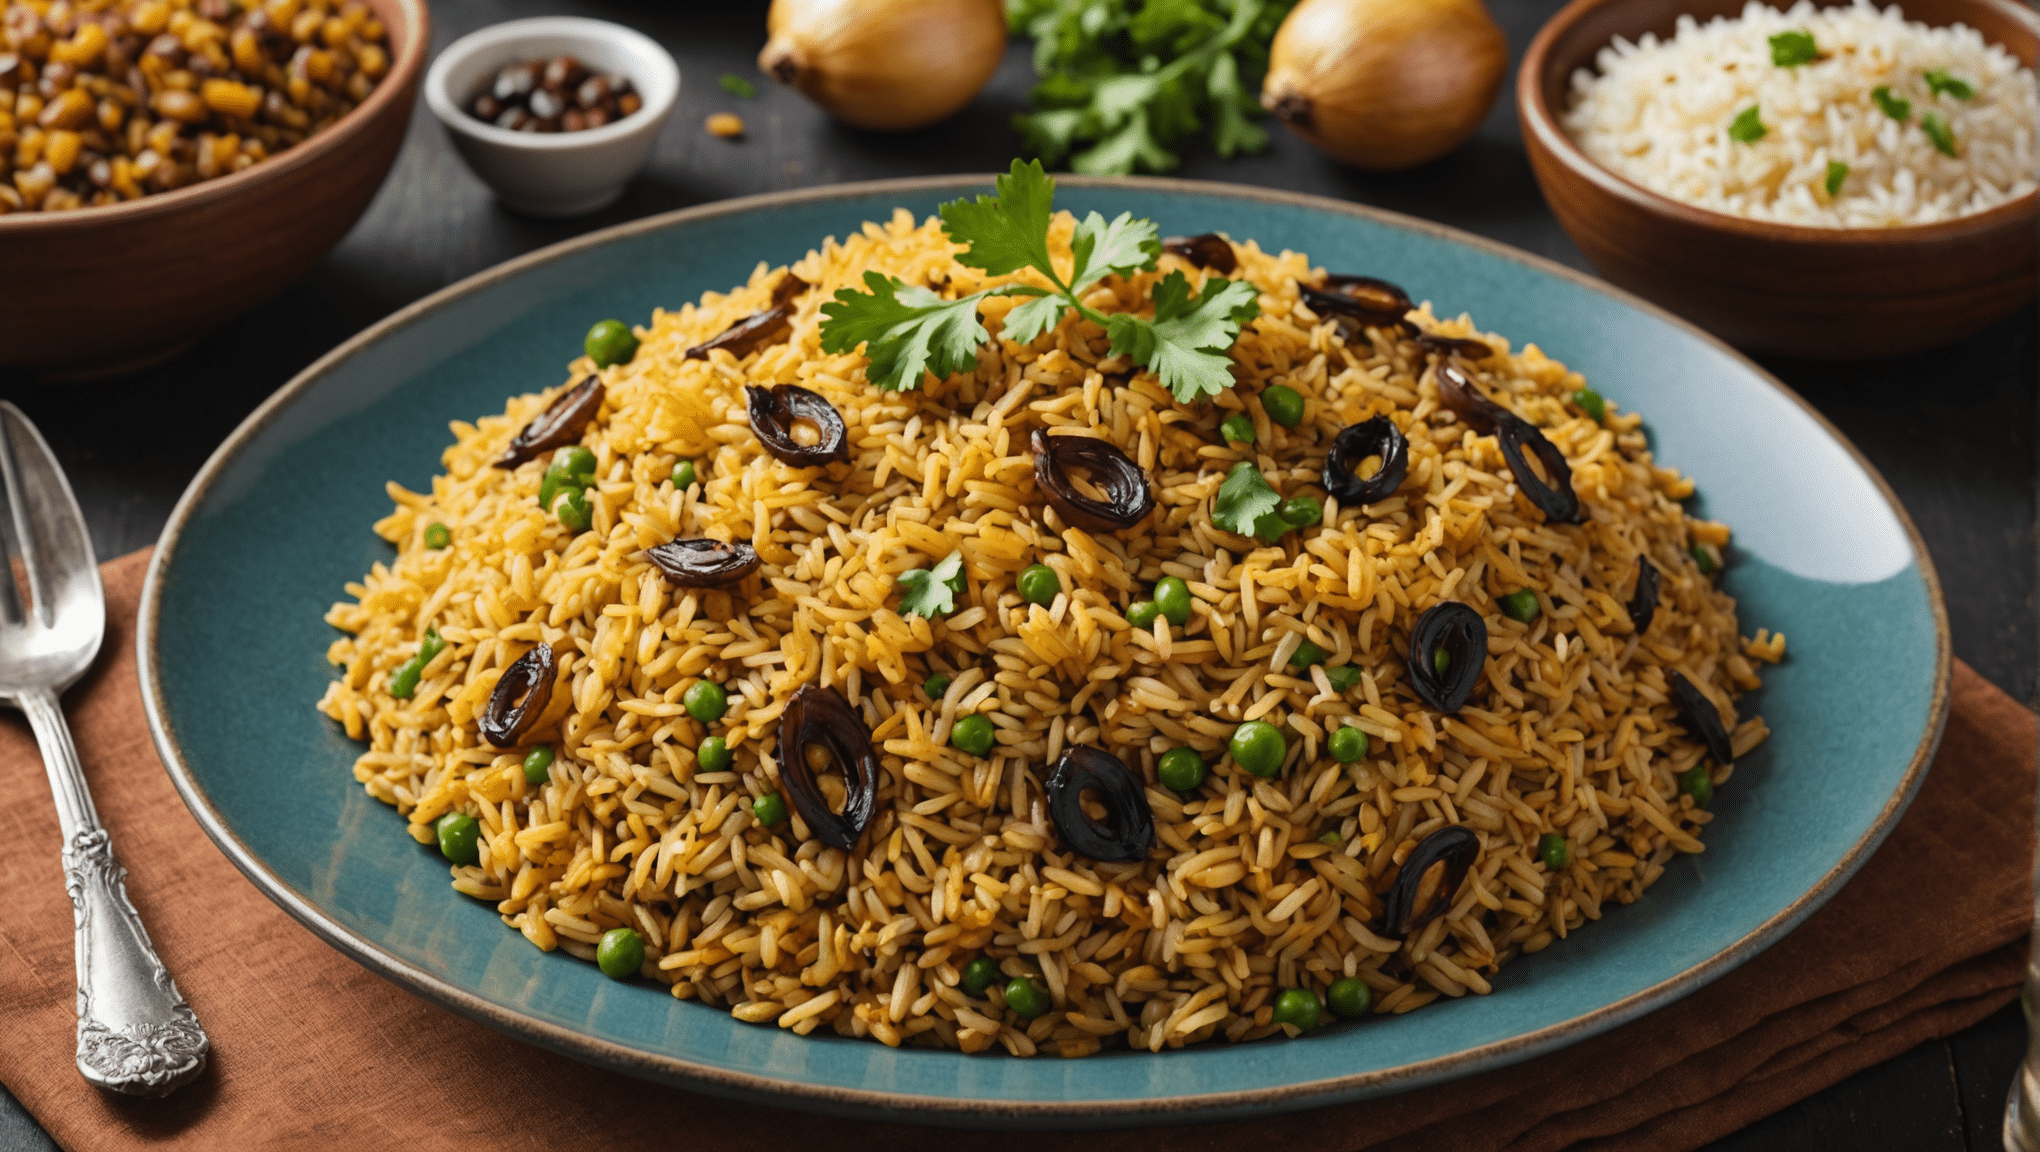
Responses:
[1699,784]
[935,686]
[438,536]
[1039,584]
[1521,605]
[973,734]
[1348,745]
[610,342]
[1238,428]
[1553,850]
[683,475]
[1441,660]
[1141,614]
[1298,1008]
[575,462]
[1591,403]
[1283,404]
[1331,837]
[714,755]
[1181,769]
[1307,654]
[1026,998]
[1172,600]
[538,765]
[1343,678]
[981,973]
[769,810]
[459,837]
[620,954]
[1704,558]
[572,509]
[404,681]
[706,701]
[1302,511]
[1350,997]
[1258,747]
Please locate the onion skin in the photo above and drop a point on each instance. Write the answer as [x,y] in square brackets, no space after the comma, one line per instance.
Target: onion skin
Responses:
[1385,84]
[890,65]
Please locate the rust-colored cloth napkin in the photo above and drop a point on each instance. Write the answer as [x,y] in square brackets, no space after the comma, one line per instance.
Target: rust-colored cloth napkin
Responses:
[312,1051]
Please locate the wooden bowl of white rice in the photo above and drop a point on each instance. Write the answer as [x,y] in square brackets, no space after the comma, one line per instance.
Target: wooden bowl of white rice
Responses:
[1834,181]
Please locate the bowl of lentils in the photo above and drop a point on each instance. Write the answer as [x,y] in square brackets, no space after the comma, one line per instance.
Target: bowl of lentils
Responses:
[168,164]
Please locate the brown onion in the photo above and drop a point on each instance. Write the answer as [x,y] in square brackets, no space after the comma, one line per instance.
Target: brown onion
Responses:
[885,64]
[1385,84]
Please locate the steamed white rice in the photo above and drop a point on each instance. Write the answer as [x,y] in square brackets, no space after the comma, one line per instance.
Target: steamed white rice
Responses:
[1658,113]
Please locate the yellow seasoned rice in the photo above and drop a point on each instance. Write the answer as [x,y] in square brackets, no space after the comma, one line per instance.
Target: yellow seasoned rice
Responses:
[1571,730]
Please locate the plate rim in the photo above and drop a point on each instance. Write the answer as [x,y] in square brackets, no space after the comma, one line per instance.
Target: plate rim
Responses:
[676,1068]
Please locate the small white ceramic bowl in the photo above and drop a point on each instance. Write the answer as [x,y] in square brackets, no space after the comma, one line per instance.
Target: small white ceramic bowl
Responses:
[554,173]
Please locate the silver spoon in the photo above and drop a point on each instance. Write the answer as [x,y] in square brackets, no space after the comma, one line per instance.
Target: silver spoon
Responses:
[135,1032]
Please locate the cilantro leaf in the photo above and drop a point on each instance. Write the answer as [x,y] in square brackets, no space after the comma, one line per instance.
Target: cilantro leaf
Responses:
[1009,231]
[933,593]
[1131,79]
[1789,49]
[1030,320]
[1133,143]
[1123,246]
[1748,127]
[1187,342]
[1896,107]
[736,85]
[906,331]
[1247,504]
[1940,83]
[1233,132]
[1936,128]
[1836,173]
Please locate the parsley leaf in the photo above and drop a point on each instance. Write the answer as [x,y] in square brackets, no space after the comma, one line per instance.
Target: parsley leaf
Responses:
[1187,340]
[1748,128]
[1936,128]
[933,593]
[1793,48]
[1939,82]
[1247,504]
[1836,173]
[906,331]
[1897,108]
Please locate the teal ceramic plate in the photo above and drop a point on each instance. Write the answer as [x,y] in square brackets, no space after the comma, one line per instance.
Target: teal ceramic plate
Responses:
[233,656]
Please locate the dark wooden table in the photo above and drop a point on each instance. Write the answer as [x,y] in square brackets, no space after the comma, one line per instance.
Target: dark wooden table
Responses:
[1952,430]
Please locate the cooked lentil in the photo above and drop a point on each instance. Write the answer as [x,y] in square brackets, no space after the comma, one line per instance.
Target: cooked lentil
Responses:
[102,102]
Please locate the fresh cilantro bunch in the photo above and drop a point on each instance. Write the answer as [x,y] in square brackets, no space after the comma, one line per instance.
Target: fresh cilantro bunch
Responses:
[908,330]
[932,593]
[1123,81]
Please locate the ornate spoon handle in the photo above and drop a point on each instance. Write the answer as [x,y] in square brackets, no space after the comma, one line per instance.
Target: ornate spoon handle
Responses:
[135,1032]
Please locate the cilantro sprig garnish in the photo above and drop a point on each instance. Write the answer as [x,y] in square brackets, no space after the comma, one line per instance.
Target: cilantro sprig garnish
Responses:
[1247,504]
[907,330]
[932,592]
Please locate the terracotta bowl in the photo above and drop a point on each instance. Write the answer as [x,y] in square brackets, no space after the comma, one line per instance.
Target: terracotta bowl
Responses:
[1819,292]
[102,290]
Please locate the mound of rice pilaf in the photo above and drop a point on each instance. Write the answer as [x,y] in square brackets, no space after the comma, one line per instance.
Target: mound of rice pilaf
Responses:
[1256,885]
